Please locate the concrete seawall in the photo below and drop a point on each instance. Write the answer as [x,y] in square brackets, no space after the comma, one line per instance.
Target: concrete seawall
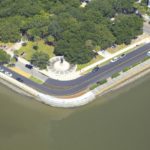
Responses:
[67,103]
[47,99]
[129,76]
[124,78]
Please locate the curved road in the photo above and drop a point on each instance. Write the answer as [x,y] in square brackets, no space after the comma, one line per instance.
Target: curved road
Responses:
[61,88]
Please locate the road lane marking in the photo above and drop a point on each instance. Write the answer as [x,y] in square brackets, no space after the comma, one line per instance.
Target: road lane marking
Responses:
[111,68]
[19,71]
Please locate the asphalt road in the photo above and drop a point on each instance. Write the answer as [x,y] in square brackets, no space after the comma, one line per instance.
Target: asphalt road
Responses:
[59,88]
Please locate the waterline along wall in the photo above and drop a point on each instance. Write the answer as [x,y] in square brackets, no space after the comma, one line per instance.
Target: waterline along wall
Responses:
[51,100]
[86,98]
[67,103]
[124,78]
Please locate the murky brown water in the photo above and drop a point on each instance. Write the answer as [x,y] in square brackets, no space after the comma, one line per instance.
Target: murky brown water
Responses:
[118,121]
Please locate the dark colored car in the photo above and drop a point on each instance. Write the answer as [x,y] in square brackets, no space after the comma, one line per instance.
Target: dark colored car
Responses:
[95,69]
[123,55]
[29,66]
[19,79]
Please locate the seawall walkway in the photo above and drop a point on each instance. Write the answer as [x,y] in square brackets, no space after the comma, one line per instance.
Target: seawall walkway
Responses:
[133,74]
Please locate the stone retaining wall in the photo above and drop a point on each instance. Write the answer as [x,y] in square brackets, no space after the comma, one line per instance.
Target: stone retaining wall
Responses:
[50,100]
[124,78]
[133,73]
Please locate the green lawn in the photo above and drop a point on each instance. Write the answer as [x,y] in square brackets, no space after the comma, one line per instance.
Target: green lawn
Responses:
[28,49]
[118,48]
[115,75]
[7,44]
[36,80]
[94,60]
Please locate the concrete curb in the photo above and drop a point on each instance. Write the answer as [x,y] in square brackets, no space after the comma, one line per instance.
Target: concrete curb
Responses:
[124,78]
[85,98]
[51,100]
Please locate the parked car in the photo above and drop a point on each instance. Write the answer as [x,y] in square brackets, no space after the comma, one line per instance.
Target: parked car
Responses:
[123,55]
[95,69]
[29,66]
[19,79]
[114,59]
[102,50]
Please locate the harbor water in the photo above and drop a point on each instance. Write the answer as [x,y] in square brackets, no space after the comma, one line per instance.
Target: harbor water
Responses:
[119,120]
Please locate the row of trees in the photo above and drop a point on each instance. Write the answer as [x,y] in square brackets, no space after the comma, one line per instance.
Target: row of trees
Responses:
[39,59]
[74,31]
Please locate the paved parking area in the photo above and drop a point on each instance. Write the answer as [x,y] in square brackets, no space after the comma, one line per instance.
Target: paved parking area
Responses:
[32,72]
[19,71]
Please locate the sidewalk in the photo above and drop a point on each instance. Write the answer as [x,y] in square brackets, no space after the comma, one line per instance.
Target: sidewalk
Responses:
[77,74]
[41,74]
[144,41]
[124,78]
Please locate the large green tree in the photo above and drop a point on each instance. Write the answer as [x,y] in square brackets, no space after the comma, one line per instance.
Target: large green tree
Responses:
[76,31]
[40,59]
[125,28]
[4,57]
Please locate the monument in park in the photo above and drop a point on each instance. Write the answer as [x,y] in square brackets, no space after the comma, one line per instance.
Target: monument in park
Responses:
[59,67]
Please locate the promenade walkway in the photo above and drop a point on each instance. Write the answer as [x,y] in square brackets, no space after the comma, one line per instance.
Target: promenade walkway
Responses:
[109,57]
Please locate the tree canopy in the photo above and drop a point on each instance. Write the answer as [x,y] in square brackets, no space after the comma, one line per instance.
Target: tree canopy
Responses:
[40,59]
[128,28]
[4,57]
[74,31]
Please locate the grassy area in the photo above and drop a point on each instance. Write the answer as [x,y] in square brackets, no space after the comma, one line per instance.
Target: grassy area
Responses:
[118,48]
[106,62]
[36,80]
[115,75]
[7,44]
[93,86]
[132,66]
[28,49]
[102,82]
[89,63]
[146,58]
[126,69]
[98,84]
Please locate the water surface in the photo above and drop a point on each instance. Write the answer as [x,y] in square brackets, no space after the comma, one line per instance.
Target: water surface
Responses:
[116,121]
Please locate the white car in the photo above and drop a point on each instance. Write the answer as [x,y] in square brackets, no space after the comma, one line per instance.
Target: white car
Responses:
[114,59]
[8,74]
[148,53]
